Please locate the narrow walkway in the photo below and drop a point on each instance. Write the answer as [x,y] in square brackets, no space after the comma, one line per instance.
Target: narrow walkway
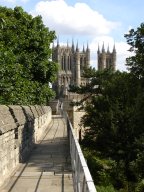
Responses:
[49,168]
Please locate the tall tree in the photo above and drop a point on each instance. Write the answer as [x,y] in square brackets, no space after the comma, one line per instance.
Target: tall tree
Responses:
[113,121]
[135,38]
[26,68]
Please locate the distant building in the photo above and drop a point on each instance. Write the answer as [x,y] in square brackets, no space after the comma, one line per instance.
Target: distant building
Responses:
[106,59]
[71,62]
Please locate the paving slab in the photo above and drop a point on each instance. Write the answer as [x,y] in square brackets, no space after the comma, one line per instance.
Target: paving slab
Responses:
[49,167]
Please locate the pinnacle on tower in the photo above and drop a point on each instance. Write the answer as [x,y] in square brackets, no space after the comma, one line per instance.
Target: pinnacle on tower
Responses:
[103,49]
[83,48]
[114,49]
[67,44]
[57,41]
[77,49]
[87,47]
[73,45]
[98,51]
[108,49]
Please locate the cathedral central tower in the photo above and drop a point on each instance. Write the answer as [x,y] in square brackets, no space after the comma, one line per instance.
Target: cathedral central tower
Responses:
[71,62]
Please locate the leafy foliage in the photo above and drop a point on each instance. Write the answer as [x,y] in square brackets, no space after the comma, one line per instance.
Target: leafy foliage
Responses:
[105,189]
[135,38]
[25,66]
[114,128]
[114,123]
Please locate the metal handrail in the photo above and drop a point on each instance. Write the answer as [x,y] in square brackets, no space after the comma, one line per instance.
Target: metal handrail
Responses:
[82,178]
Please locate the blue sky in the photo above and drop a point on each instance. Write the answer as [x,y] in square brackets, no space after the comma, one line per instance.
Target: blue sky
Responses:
[92,21]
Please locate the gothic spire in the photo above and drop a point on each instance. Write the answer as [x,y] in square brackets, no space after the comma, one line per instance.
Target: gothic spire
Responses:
[108,49]
[103,49]
[114,49]
[83,48]
[57,41]
[77,49]
[87,47]
[72,42]
[73,45]
[98,51]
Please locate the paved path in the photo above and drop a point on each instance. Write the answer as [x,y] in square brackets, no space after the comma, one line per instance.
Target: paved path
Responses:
[49,168]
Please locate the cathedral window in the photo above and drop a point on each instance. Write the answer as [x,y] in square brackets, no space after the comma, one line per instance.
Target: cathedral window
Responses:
[64,62]
[68,63]
[81,61]
[108,63]
[85,61]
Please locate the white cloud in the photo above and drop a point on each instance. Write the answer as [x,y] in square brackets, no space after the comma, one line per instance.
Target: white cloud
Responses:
[24,1]
[8,1]
[122,54]
[79,19]
[14,1]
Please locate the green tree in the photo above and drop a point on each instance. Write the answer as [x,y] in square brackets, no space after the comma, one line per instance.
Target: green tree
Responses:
[113,123]
[135,38]
[25,66]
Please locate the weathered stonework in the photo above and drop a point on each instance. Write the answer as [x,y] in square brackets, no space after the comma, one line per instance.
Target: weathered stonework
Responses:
[20,128]
[72,63]
[106,59]
[73,112]
[78,128]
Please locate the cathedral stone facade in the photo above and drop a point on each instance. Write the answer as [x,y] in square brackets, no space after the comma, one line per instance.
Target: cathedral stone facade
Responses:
[72,62]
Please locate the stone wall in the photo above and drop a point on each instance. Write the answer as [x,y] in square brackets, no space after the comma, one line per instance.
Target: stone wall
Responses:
[78,128]
[75,116]
[20,128]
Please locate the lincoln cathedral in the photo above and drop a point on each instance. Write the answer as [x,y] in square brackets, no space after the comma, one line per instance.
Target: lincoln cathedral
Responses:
[106,59]
[72,62]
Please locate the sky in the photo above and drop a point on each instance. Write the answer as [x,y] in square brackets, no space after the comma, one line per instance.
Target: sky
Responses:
[89,22]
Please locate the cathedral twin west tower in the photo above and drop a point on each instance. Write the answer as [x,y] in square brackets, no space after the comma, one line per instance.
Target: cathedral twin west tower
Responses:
[72,62]
[106,59]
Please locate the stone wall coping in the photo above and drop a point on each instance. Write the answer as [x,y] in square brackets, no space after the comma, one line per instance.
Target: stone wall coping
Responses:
[13,116]
[18,114]
[7,121]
